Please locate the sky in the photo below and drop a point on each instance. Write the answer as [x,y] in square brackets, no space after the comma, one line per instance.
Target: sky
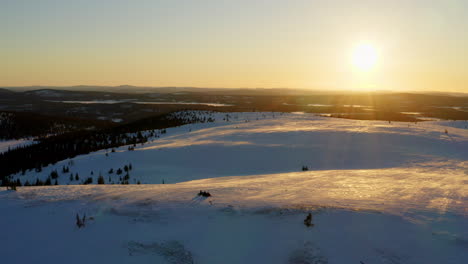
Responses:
[418,45]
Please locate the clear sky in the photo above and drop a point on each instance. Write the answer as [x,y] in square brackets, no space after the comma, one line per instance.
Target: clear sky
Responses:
[417,45]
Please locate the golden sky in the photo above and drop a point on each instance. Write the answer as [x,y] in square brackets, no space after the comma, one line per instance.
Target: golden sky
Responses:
[419,45]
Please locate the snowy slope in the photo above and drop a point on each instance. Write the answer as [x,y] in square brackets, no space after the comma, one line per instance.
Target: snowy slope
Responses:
[258,222]
[379,192]
[272,144]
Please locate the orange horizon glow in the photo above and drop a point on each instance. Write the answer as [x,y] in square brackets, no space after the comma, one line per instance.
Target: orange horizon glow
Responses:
[336,45]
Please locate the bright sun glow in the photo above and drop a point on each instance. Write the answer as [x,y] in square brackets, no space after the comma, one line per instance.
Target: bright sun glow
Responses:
[364,57]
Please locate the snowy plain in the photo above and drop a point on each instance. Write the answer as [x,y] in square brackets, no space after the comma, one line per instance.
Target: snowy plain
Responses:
[379,192]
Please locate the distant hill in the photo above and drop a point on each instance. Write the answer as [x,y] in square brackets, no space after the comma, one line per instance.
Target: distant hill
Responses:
[5,91]
[224,91]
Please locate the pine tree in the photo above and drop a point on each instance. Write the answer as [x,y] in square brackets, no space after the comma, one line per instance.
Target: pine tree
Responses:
[79,222]
[38,182]
[88,181]
[48,181]
[100,180]
[77,177]
[53,174]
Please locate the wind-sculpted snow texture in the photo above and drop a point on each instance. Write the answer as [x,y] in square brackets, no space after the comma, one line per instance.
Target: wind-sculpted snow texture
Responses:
[379,192]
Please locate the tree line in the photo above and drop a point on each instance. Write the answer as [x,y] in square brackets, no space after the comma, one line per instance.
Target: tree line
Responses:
[66,146]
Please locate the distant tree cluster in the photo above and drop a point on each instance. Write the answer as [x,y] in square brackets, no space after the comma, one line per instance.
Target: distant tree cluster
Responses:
[126,178]
[15,125]
[66,146]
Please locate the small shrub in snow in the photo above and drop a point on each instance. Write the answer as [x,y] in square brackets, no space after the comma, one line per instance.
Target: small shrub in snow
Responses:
[126,177]
[39,183]
[80,222]
[53,174]
[11,187]
[100,180]
[308,220]
[48,181]
[305,168]
[204,193]
[88,181]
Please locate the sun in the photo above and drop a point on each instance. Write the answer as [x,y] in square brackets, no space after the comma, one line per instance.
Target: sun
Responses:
[365,57]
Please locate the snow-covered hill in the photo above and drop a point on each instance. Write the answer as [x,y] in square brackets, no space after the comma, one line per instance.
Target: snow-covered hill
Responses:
[378,192]
[264,143]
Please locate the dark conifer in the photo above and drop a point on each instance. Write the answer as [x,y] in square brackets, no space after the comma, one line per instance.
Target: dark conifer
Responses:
[100,180]
[48,181]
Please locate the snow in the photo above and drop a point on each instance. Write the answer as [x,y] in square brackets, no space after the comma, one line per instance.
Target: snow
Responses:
[279,144]
[145,223]
[14,143]
[378,193]
[96,101]
[138,102]
[185,103]
[47,93]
